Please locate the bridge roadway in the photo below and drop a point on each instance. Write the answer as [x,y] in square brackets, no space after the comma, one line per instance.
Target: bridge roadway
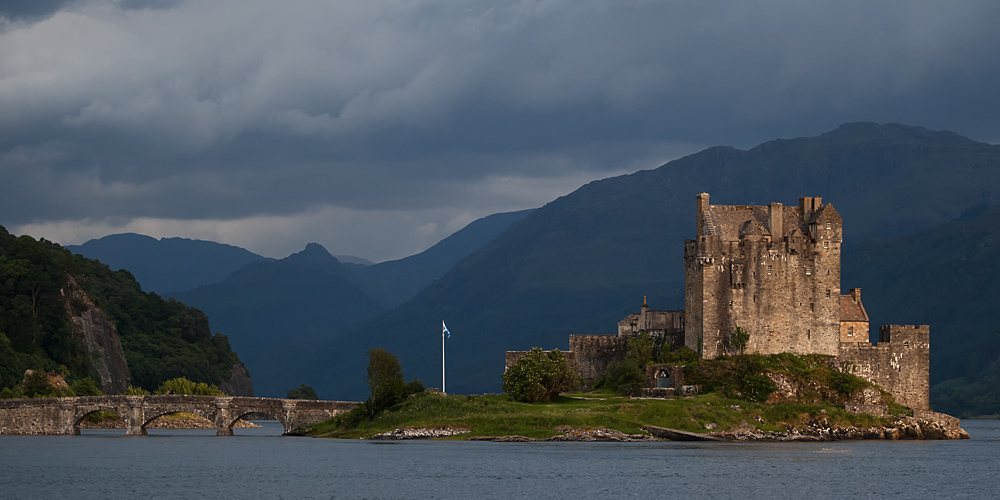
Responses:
[61,416]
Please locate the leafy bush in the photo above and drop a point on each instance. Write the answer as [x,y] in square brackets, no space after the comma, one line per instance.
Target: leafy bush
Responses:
[86,387]
[414,387]
[302,392]
[539,375]
[626,377]
[682,355]
[136,391]
[182,385]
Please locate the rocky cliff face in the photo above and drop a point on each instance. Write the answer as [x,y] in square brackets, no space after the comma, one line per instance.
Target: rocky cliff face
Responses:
[98,335]
[239,383]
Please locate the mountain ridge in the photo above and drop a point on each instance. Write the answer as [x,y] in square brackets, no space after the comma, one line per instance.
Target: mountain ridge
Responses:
[573,264]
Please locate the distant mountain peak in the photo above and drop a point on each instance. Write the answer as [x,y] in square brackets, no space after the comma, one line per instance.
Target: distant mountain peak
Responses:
[870,131]
[353,259]
[315,248]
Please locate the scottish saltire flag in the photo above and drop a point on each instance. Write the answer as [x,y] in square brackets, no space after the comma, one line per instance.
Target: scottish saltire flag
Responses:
[444,329]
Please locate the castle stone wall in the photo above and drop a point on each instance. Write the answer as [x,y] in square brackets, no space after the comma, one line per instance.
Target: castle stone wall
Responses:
[593,353]
[899,363]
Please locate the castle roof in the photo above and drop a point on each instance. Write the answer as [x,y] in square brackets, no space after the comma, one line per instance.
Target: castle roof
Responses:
[851,309]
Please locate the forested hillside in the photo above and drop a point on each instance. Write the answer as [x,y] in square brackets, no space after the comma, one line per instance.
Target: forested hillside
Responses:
[160,339]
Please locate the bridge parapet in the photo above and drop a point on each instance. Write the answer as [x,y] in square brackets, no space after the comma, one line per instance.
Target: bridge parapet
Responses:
[63,415]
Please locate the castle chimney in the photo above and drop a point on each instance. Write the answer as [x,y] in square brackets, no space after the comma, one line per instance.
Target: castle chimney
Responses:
[702,207]
[774,211]
[856,294]
[809,205]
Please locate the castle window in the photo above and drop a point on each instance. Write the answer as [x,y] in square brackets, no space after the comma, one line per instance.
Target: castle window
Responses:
[730,305]
[850,331]
[906,344]
[769,269]
[809,270]
[828,226]
[828,293]
[809,334]
[826,244]
[812,306]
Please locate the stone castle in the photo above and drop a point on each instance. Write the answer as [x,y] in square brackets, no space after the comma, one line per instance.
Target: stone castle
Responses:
[775,272]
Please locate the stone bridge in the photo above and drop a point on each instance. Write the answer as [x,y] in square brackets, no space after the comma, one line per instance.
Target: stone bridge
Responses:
[63,415]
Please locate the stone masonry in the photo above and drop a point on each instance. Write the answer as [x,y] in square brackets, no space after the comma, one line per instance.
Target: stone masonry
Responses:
[775,272]
[63,415]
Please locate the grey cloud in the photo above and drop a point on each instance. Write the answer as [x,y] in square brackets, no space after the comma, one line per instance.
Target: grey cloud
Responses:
[223,109]
[31,10]
[149,4]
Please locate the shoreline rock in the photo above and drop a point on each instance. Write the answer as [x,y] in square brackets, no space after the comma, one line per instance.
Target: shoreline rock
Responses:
[420,433]
[928,426]
[575,435]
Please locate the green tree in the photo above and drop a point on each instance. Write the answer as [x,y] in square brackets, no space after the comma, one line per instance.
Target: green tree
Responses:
[302,392]
[385,382]
[539,375]
[86,387]
[739,339]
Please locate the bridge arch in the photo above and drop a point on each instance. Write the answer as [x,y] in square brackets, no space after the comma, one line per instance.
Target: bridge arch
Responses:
[153,415]
[81,413]
[271,412]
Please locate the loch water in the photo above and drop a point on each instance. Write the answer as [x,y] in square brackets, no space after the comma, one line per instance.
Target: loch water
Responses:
[258,463]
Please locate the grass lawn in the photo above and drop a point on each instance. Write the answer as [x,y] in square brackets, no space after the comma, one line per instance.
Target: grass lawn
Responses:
[497,415]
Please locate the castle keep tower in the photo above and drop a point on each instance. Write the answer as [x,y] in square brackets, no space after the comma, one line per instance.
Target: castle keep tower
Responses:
[772,270]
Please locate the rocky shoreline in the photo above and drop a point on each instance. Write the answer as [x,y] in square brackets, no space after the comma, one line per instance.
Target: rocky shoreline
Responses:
[941,427]
[420,433]
[928,427]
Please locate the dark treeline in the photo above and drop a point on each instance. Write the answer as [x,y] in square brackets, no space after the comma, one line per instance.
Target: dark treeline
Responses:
[161,339]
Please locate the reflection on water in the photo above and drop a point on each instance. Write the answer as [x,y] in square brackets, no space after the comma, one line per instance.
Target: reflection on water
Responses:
[256,463]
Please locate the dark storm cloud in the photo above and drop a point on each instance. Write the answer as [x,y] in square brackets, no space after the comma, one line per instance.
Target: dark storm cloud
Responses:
[229,109]
[31,9]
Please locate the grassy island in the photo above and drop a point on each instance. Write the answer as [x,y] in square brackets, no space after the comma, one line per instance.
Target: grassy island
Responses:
[773,393]
[497,415]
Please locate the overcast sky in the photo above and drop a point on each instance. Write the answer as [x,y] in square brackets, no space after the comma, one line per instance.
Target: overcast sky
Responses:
[376,128]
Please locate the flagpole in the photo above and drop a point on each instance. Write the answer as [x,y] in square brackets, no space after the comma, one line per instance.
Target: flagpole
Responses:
[443,391]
